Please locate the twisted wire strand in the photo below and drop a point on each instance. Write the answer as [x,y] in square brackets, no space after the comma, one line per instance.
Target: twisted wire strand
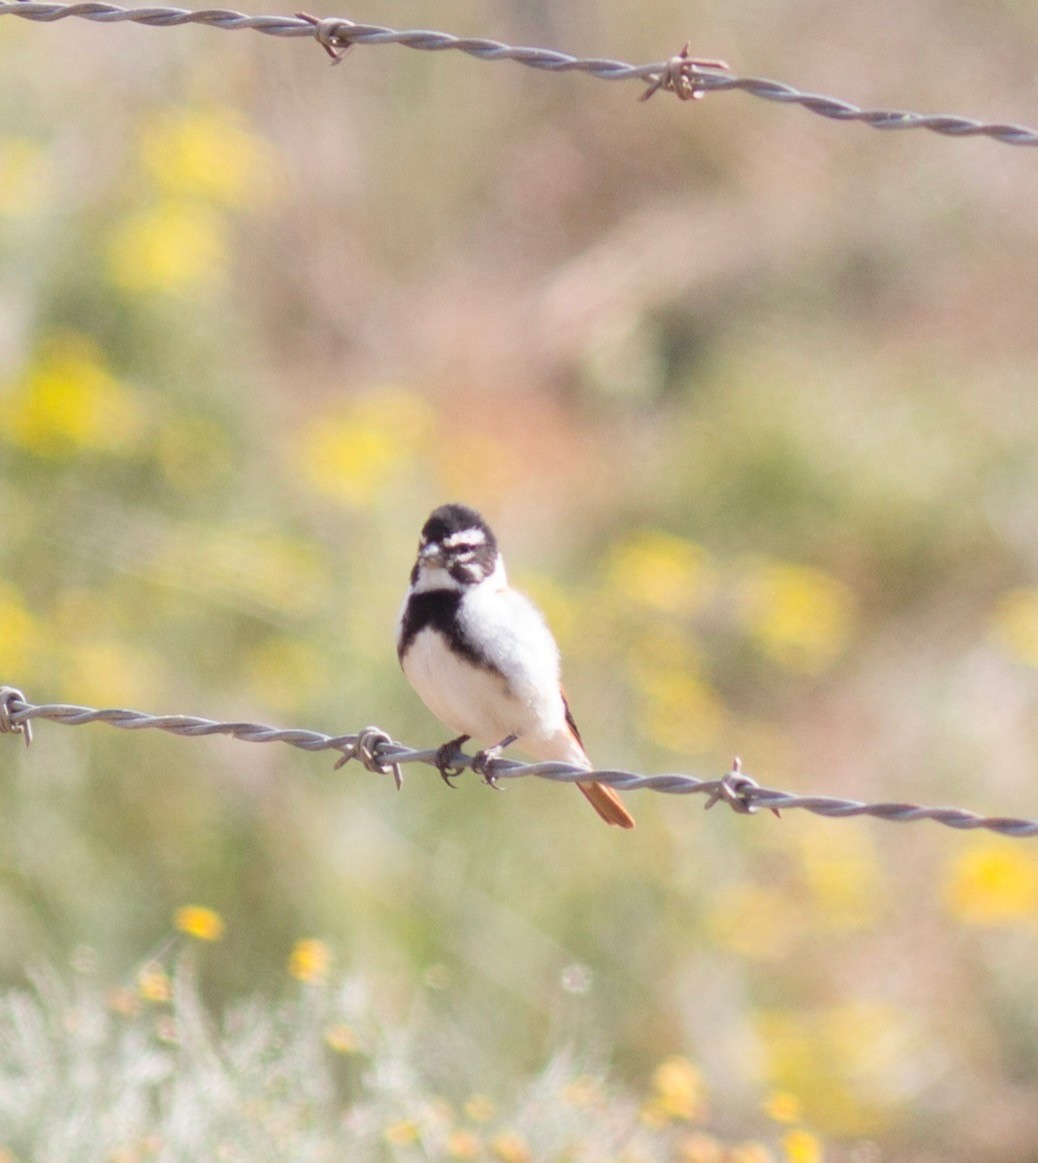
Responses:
[377,752]
[682,75]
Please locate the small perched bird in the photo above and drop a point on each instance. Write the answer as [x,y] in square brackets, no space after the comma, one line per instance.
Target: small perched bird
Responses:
[481,656]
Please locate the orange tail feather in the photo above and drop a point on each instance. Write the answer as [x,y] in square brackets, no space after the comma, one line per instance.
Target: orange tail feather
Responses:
[608,804]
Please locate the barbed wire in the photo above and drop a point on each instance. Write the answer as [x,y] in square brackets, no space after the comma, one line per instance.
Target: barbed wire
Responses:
[687,77]
[377,752]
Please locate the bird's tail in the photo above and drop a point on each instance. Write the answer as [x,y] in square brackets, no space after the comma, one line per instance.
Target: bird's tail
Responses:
[567,746]
[608,804]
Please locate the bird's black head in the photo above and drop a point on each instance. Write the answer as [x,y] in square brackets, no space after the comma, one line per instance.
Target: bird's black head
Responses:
[457,541]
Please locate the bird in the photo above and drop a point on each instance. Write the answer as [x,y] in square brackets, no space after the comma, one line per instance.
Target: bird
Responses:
[481,657]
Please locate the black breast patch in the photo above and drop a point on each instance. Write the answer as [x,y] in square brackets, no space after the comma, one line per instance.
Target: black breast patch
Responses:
[438,610]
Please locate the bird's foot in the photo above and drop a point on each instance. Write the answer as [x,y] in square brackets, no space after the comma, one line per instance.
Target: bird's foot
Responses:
[482,761]
[446,757]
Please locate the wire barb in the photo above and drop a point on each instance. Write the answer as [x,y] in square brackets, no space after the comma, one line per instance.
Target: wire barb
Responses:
[377,752]
[332,34]
[365,748]
[681,75]
[13,701]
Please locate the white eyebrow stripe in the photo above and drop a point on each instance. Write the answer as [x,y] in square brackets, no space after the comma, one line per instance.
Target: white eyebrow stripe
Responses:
[465,537]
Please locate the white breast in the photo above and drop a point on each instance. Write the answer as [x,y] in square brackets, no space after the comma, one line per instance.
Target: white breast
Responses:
[520,696]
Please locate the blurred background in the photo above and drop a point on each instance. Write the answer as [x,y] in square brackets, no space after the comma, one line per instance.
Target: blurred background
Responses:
[749,397]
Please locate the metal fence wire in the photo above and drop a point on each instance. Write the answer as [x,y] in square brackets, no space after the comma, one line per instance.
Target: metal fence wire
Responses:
[377,752]
[684,75]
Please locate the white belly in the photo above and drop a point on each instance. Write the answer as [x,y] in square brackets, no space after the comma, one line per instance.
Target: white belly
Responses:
[469,699]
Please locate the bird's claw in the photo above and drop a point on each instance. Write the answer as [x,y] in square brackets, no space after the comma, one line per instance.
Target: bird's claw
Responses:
[481,766]
[445,760]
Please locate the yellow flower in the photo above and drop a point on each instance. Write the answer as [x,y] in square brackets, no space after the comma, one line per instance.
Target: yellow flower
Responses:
[401,1134]
[19,635]
[1014,625]
[153,983]
[310,960]
[68,401]
[354,453]
[462,1144]
[659,571]
[479,1108]
[800,617]
[174,247]
[802,1147]
[844,1059]
[342,1039]
[510,1147]
[206,154]
[783,1107]
[679,1093]
[199,922]
[993,882]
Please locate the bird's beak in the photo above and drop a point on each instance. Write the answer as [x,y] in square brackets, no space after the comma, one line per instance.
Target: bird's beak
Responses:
[432,555]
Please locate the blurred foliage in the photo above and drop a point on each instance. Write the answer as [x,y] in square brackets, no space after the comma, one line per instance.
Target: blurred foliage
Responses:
[748,396]
[317,1075]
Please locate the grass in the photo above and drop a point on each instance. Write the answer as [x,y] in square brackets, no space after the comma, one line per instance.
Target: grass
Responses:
[126,1075]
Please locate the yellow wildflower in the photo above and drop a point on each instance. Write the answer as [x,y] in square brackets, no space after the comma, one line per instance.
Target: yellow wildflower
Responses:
[342,1039]
[462,1144]
[401,1134]
[845,1059]
[153,983]
[679,1093]
[199,922]
[174,247]
[309,961]
[660,571]
[68,401]
[18,633]
[992,882]
[206,154]
[800,617]
[354,453]
[801,1146]
[510,1147]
